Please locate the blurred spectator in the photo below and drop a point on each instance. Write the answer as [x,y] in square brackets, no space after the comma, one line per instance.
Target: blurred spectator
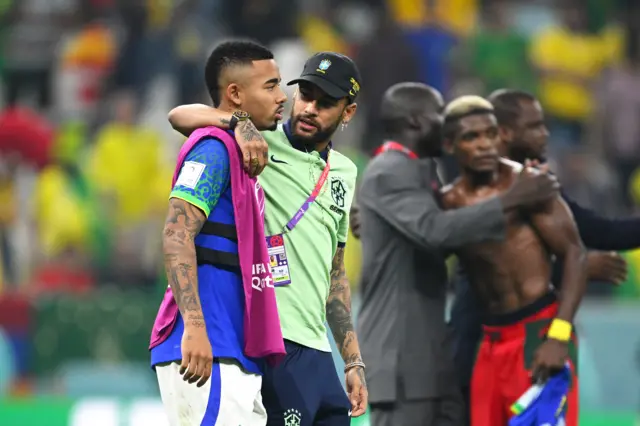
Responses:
[569,60]
[129,70]
[266,21]
[34,29]
[126,162]
[497,54]
[62,217]
[86,60]
[619,115]
[8,210]
[387,44]
[126,168]
[586,180]
[457,16]
[190,49]
[319,34]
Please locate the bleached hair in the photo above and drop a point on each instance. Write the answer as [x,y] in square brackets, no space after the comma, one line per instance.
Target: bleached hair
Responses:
[466,105]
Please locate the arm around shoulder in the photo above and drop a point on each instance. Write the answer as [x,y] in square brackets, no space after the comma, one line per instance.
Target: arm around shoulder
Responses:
[394,191]
[187,118]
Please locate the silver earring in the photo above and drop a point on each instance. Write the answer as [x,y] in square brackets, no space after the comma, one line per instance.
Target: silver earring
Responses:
[343,126]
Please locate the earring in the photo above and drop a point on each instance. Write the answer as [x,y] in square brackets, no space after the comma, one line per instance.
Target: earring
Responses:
[343,126]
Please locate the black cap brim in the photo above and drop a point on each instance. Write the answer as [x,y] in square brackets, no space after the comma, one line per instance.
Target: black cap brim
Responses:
[325,85]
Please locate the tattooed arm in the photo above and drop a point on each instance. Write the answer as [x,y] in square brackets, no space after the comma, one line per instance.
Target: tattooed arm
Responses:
[183,224]
[202,180]
[187,118]
[339,311]
[255,151]
[339,319]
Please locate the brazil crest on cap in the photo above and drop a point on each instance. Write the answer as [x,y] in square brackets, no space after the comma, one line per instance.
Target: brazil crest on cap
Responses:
[324,64]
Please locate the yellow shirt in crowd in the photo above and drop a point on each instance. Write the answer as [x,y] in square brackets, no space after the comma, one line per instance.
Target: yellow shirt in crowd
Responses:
[458,16]
[582,55]
[126,165]
[61,215]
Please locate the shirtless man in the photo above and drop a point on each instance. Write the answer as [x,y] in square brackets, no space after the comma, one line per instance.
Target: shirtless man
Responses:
[511,278]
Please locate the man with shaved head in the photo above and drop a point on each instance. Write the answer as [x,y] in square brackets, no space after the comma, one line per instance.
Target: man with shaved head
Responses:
[527,328]
[205,375]
[406,238]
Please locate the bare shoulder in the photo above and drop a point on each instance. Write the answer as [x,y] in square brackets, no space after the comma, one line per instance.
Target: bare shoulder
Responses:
[451,195]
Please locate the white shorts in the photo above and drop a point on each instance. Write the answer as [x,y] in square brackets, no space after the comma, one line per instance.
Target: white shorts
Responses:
[231,397]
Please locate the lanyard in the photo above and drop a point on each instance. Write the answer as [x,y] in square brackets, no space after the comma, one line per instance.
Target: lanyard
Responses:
[314,194]
[394,146]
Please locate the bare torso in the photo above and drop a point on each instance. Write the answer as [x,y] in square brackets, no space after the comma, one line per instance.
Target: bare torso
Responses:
[509,274]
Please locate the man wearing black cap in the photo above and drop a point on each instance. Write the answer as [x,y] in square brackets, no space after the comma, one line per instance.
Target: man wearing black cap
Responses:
[309,188]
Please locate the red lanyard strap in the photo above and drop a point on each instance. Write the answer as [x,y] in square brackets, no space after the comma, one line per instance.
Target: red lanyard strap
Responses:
[394,146]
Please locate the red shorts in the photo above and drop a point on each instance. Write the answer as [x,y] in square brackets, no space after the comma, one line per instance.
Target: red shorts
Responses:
[501,373]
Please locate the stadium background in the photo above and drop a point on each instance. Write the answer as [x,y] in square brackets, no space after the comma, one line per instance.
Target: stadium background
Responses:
[87,156]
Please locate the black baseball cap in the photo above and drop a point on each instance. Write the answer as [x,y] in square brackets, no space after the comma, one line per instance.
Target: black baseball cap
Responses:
[337,75]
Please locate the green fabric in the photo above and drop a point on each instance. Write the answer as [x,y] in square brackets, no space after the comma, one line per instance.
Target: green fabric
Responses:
[600,12]
[310,247]
[36,411]
[52,411]
[110,325]
[68,150]
[501,61]
[630,289]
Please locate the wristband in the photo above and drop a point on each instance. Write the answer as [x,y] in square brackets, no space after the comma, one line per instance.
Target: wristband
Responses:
[233,122]
[560,330]
[237,117]
[353,365]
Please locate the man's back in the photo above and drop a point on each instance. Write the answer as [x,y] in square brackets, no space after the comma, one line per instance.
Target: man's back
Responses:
[401,322]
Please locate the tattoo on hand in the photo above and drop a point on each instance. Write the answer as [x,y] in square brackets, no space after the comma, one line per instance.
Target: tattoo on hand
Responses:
[249,132]
[183,224]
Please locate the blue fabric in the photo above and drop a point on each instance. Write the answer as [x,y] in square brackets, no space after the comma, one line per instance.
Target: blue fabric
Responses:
[215,176]
[215,396]
[305,390]
[549,408]
[221,290]
[433,49]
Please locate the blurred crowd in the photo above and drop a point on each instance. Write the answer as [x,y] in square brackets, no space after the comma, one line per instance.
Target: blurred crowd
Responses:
[86,153]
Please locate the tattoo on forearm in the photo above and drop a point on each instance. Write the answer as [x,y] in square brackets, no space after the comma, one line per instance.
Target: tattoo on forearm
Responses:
[183,224]
[339,320]
[339,306]
[224,121]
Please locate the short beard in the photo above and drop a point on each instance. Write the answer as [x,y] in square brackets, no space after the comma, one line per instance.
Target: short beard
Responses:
[321,135]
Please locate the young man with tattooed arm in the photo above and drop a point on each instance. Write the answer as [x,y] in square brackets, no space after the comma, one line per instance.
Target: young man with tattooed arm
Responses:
[308,187]
[204,375]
